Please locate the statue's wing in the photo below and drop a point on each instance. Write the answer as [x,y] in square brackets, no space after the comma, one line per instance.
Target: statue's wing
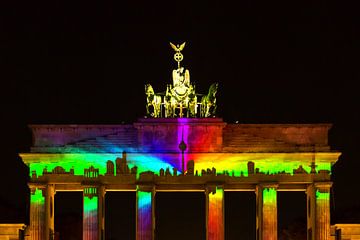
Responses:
[174,47]
[182,46]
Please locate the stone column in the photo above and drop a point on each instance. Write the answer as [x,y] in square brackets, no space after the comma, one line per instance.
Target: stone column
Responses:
[101,194]
[90,214]
[266,212]
[37,213]
[215,213]
[49,212]
[145,212]
[318,211]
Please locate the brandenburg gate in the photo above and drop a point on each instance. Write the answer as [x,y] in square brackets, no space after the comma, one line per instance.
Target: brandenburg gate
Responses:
[180,146]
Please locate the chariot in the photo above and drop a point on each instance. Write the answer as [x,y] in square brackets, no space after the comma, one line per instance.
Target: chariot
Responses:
[180,98]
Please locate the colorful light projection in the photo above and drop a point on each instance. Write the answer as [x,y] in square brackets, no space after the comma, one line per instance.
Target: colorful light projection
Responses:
[268,163]
[80,161]
[79,158]
[144,215]
[233,164]
[182,135]
[216,214]
[37,216]
[269,206]
[90,215]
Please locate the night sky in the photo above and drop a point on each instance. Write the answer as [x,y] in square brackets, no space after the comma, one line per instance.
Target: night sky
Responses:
[75,62]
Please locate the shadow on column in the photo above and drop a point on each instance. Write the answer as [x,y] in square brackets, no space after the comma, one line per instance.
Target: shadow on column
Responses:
[68,215]
[180,216]
[120,215]
[240,215]
[291,215]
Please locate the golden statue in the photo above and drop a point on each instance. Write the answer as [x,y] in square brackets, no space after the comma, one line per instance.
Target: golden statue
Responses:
[178,55]
[180,98]
[181,83]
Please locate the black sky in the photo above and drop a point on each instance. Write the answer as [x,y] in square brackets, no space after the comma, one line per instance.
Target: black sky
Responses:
[87,62]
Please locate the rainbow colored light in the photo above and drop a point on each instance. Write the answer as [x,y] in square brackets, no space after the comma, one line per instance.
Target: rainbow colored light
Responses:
[144,215]
[234,164]
[90,219]
[216,214]
[79,158]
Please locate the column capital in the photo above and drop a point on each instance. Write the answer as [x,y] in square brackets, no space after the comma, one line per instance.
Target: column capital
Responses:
[102,190]
[267,185]
[146,188]
[323,185]
[33,185]
[90,192]
[211,188]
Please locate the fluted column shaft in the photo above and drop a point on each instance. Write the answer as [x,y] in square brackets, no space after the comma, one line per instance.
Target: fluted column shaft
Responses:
[49,212]
[101,212]
[90,214]
[318,212]
[266,212]
[37,213]
[215,213]
[145,213]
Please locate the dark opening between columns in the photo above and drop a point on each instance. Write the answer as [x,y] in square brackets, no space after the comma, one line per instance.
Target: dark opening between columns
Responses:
[68,215]
[240,215]
[291,215]
[180,215]
[120,215]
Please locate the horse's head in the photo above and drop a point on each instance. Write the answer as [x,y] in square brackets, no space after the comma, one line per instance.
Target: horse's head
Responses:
[213,89]
[149,90]
[191,91]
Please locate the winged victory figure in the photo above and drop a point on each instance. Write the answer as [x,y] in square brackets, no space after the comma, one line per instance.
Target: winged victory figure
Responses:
[177,48]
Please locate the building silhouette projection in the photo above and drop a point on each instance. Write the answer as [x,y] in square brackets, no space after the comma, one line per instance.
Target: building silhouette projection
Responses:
[180,146]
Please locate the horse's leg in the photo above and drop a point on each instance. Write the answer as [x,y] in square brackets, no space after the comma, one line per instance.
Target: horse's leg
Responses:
[203,108]
[147,109]
[157,105]
[214,110]
[207,114]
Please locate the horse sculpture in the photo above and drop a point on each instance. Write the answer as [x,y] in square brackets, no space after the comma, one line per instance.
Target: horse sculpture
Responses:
[152,100]
[192,102]
[208,102]
[169,103]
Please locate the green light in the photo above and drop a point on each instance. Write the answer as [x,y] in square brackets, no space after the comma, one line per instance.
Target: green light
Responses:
[322,196]
[144,199]
[37,197]
[269,196]
[90,204]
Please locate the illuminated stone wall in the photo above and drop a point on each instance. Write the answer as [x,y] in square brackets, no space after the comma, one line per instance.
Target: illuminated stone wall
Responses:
[145,157]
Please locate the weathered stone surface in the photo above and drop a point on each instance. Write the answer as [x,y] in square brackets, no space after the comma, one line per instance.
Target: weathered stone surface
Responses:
[164,135]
